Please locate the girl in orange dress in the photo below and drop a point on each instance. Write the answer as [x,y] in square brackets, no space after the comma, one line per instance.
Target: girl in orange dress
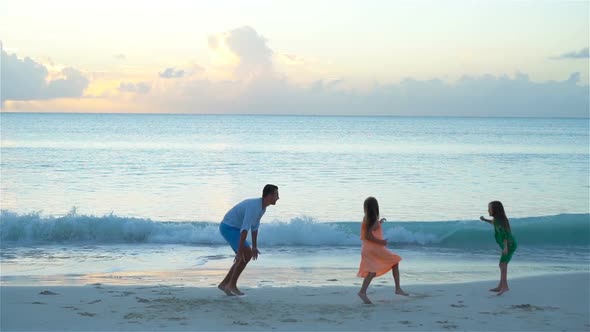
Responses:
[376,259]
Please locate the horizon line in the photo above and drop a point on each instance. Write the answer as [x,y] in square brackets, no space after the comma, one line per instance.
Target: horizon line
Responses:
[302,115]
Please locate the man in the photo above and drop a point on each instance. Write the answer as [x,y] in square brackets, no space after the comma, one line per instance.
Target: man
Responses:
[234,228]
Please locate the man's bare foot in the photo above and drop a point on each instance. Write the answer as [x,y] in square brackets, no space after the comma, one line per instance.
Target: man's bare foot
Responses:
[503,290]
[401,292]
[497,289]
[235,291]
[224,289]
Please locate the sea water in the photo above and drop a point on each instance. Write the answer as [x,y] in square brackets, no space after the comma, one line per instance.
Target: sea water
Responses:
[119,198]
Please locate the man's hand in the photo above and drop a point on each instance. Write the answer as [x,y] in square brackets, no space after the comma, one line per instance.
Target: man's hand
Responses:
[255,253]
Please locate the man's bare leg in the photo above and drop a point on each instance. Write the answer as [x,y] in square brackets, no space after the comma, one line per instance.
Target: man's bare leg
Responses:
[363,292]
[232,286]
[398,288]
[224,283]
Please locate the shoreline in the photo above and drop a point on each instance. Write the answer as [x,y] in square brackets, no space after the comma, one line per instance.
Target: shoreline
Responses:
[539,303]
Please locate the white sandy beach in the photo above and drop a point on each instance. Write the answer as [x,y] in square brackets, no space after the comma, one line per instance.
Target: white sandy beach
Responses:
[545,303]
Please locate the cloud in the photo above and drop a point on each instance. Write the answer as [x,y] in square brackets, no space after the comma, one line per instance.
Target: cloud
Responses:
[120,56]
[256,87]
[487,95]
[25,79]
[290,59]
[581,54]
[141,87]
[71,86]
[171,73]
[254,57]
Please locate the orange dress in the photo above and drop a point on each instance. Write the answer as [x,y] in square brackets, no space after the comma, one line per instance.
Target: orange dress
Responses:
[375,257]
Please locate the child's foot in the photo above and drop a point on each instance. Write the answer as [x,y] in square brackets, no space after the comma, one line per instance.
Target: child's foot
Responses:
[235,291]
[503,290]
[224,289]
[401,292]
[365,299]
[497,289]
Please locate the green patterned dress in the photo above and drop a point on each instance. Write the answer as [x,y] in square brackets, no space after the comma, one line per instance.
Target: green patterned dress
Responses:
[502,234]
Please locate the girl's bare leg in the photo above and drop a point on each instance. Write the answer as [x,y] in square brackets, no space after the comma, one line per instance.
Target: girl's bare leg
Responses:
[497,289]
[363,292]
[398,288]
[503,279]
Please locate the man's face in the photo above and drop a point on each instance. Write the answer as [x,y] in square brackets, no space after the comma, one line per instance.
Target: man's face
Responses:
[274,197]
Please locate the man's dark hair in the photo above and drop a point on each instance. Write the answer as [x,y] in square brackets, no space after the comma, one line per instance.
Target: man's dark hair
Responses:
[269,189]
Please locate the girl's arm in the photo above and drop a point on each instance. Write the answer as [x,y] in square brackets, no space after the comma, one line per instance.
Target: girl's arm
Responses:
[370,237]
[486,220]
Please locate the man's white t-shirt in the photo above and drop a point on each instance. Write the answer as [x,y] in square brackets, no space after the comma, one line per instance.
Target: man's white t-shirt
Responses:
[245,215]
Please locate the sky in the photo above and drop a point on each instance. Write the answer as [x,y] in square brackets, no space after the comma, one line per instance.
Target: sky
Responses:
[399,58]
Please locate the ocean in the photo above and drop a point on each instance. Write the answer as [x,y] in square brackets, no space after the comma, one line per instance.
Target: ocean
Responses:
[137,199]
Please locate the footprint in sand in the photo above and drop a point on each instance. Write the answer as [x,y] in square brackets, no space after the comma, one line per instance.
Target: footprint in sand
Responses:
[133,315]
[46,292]
[38,302]
[419,295]
[448,327]
[447,324]
[530,307]
[87,314]
[289,320]
[177,318]
[95,301]
[70,307]
[457,305]
[239,322]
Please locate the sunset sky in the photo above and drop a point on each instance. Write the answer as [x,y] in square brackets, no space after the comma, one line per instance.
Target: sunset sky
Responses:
[457,58]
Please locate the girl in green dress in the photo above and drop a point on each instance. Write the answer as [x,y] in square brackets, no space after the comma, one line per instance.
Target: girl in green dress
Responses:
[505,240]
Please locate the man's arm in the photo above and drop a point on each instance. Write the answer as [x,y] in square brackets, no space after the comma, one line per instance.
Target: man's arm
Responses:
[255,251]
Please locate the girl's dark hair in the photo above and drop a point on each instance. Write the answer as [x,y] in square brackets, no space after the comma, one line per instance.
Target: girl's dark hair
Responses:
[499,214]
[371,211]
